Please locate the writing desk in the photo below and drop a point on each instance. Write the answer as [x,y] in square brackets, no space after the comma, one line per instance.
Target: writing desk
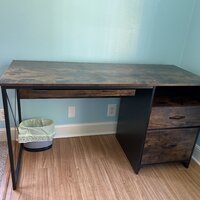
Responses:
[159,115]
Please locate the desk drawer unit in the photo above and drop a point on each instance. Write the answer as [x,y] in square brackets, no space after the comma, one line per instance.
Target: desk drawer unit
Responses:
[168,145]
[173,126]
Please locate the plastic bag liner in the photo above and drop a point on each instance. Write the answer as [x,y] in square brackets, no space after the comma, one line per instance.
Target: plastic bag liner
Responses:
[36,130]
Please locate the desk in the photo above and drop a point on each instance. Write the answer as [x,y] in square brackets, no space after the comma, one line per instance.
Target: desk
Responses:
[159,116]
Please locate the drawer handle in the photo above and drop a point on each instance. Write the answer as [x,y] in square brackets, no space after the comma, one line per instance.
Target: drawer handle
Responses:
[169,146]
[177,117]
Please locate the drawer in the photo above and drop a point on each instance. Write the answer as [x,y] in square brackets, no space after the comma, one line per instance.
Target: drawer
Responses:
[171,117]
[168,145]
[42,94]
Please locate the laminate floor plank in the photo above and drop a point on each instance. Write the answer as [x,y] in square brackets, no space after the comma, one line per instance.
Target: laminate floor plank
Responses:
[96,168]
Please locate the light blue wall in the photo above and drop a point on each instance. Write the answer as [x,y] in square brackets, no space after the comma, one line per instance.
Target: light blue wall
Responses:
[128,31]
[191,53]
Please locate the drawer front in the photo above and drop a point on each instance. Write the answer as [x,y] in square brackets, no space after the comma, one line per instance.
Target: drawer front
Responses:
[42,94]
[168,145]
[171,117]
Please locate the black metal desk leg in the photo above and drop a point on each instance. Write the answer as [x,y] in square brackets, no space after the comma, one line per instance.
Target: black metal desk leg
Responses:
[21,145]
[19,107]
[8,133]
[7,105]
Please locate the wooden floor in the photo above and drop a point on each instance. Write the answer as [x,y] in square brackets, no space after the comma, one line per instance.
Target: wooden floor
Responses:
[96,168]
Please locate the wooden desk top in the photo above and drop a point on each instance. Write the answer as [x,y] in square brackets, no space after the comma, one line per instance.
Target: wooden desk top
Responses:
[64,74]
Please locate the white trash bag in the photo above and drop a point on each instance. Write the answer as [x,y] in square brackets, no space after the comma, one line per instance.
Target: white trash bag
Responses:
[36,130]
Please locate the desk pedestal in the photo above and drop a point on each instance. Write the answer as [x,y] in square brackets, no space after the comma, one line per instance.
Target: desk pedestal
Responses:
[133,121]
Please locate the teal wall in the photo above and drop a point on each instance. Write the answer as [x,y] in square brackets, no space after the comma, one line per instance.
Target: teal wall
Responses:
[119,31]
[191,52]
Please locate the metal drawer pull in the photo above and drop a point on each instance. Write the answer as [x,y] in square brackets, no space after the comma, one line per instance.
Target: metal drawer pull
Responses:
[169,146]
[177,117]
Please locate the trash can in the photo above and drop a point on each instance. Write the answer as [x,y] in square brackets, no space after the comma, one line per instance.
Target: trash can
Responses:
[36,134]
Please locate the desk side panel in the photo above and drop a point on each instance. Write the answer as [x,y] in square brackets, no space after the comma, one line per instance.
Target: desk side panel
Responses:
[132,124]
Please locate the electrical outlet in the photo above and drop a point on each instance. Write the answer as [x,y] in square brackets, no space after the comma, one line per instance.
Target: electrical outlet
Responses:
[112,109]
[71,111]
[2,116]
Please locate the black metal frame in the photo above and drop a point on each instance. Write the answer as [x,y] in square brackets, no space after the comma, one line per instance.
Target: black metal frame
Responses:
[6,104]
[15,171]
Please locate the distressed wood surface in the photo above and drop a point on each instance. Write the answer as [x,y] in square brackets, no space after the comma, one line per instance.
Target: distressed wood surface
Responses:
[168,145]
[41,94]
[171,117]
[44,73]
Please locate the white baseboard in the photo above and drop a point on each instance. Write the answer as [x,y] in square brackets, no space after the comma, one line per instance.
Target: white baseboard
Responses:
[3,134]
[75,130]
[196,154]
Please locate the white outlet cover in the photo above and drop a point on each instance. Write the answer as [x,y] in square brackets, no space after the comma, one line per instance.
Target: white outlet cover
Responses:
[112,109]
[2,116]
[71,111]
